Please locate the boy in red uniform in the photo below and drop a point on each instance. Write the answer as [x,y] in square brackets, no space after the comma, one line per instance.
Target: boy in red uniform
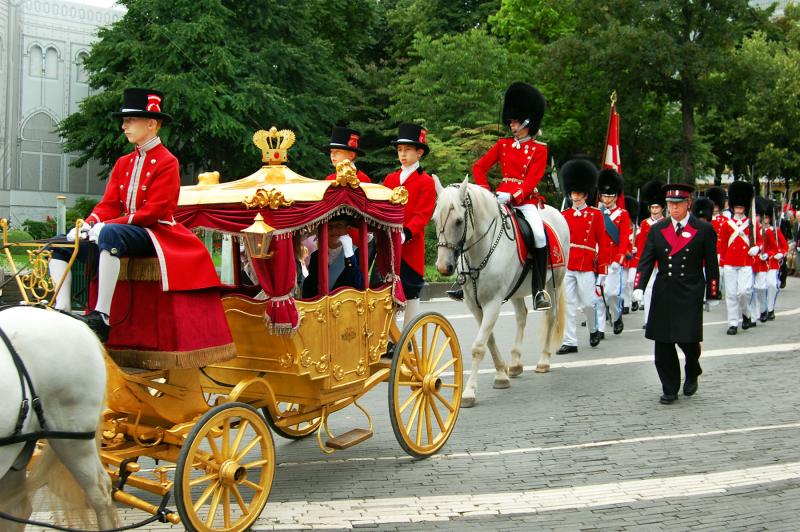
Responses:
[588,260]
[344,145]
[134,218]
[776,247]
[617,223]
[737,246]
[411,147]
[522,161]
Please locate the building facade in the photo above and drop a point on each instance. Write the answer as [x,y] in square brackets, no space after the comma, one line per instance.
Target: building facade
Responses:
[43,44]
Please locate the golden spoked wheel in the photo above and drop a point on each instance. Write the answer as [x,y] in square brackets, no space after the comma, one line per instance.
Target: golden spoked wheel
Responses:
[425,385]
[224,473]
[292,432]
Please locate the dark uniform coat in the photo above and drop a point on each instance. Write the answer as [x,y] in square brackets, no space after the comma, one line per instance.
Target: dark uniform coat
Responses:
[687,271]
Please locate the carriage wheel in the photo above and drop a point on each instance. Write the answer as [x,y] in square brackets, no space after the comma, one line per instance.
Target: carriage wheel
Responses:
[224,473]
[425,385]
[292,432]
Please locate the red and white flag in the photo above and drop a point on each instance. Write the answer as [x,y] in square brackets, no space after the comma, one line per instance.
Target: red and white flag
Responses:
[611,157]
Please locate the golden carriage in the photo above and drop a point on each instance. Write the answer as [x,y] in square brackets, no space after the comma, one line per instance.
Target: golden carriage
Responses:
[206,427]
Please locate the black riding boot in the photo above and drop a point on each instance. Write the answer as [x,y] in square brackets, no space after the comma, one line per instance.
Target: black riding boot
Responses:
[541,299]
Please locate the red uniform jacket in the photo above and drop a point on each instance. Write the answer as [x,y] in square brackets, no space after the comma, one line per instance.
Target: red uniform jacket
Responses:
[733,243]
[148,200]
[522,168]
[773,247]
[641,238]
[588,249]
[417,214]
[364,178]
[621,218]
[717,222]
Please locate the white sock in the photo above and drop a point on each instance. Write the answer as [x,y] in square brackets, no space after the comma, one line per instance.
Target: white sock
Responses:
[107,275]
[412,309]
[64,296]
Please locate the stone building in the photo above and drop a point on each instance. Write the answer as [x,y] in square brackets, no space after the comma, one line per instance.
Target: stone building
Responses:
[42,81]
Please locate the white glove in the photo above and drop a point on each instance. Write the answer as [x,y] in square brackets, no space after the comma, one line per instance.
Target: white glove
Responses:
[403,237]
[763,256]
[94,232]
[634,250]
[614,268]
[778,256]
[753,251]
[638,294]
[503,197]
[73,232]
[347,245]
[601,279]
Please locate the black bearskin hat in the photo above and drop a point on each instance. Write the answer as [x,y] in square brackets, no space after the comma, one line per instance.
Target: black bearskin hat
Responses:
[717,195]
[740,193]
[524,102]
[579,175]
[644,210]
[763,206]
[653,193]
[632,206]
[609,182]
[703,208]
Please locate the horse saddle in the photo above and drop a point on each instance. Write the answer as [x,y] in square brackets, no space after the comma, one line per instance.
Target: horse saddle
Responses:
[525,242]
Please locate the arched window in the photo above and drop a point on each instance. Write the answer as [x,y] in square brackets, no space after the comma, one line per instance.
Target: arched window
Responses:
[51,63]
[35,57]
[41,154]
[81,76]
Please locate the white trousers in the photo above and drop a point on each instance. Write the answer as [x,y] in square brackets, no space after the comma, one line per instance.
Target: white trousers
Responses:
[579,287]
[773,288]
[615,280]
[627,288]
[738,290]
[531,213]
[758,301]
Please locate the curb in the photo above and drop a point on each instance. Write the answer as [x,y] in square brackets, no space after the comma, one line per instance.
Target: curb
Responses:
[434,291]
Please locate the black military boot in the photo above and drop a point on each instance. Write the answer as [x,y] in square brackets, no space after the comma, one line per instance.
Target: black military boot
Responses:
[746,323]
[771,315]
[541,299]
[594,338]
[96,322]
[626,310]
[732,330]
[618,326]
[763,317]
[634,306]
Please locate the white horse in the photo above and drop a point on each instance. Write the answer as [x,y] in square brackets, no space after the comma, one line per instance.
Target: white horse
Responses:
[473,233]
[66,363]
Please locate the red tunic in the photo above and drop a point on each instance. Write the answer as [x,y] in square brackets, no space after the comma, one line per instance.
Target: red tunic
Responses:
[588,249]
[364,178]
[418,211]
[522,168]
[773,247]
[641,238]
[621,218]
[733,243]
[148,200]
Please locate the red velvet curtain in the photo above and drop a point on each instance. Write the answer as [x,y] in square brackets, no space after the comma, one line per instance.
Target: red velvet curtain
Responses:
[277,277]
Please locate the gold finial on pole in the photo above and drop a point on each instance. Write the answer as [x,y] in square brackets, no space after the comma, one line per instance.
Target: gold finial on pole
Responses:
[614,97]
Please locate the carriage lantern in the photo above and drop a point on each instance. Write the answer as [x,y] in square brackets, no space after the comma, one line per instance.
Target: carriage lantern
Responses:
[257,238]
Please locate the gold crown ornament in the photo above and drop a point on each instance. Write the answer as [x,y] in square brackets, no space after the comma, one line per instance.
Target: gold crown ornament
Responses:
[274,144]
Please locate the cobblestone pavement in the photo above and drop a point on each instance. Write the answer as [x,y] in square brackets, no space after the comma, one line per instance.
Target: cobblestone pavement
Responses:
[584,447]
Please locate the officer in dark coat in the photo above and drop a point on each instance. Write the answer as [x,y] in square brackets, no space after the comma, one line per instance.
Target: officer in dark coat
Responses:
[685,250]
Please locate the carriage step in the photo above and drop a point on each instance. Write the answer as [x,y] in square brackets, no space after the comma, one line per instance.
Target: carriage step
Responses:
[348,439]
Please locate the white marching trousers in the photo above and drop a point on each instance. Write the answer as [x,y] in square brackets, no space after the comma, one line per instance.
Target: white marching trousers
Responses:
[627,288]
[758,301]
[579,290]
[533,217]
[773,288]
[64,296]
[738,290]
[615,280]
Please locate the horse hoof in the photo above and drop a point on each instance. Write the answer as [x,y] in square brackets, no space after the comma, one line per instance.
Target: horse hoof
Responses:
[467,402]
[541,368]
[502,384]
[515,371]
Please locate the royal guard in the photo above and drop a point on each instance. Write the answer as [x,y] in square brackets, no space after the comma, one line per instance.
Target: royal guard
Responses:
[684,248]
[758,303]
[629,266]
[776,247]
[737,246]
[134,218]
[588,252]
[617,224]
[411,145]
[522,161]
[703,208]
[717,196]
[344,144]
[654,197]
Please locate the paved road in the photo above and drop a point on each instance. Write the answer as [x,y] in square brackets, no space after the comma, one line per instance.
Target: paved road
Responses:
[586,446]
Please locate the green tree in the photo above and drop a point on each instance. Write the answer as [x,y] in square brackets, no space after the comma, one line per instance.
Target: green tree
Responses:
[228,69]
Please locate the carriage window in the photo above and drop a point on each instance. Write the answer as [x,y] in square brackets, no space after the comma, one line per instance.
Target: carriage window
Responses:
[225,251]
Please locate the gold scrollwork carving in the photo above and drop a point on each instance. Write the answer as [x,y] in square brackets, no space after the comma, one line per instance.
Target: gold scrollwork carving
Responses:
[286,360]
[360,307]
[336,308]
[323,364]
[267,197]
[37,281]
[362,368]
[346,175]
[338,372]
[274,144]
[305,358]
[399,196]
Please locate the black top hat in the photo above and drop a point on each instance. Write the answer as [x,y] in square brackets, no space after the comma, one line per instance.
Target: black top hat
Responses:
[579,175]
[412,135]
[678,192]
[653,193]
[717,195]
[524,102]
[344,138]
[609,182]
[703,208]
[740,193]
[144,103]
